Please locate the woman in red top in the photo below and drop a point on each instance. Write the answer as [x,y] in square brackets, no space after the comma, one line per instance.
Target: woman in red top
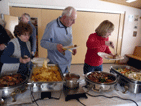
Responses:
[98,42]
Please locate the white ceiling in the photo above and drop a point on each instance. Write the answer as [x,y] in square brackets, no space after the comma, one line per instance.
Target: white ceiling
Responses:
[135,4]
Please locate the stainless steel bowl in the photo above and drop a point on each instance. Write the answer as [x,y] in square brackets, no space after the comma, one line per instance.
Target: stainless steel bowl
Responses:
[71,80]
[101,87]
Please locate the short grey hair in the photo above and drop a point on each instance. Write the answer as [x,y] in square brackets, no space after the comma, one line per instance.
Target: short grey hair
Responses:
[2,22]
[26,15]
[68,11]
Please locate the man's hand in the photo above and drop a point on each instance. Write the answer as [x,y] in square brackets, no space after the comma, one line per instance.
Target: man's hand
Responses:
[74,51]
[60,48]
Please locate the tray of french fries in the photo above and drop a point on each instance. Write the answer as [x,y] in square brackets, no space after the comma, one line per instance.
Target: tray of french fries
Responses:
[47,77]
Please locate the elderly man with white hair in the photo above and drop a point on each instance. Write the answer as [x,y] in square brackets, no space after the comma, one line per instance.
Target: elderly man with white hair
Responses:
[58,33]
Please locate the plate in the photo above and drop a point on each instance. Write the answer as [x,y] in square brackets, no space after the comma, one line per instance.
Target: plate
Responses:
[69,47]
[39,61]
[109,57]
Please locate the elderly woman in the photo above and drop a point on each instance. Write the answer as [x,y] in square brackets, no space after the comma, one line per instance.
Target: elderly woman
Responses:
[16,57]
[98,42]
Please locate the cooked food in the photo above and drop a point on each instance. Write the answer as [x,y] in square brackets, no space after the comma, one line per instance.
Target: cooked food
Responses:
[75,45]
[116,56]
[45,64]
[69,47]
[125,71]
[101,77]
[42,74]
[71,77]
[113,57]
[11,80]
[130,73]
[137,76]
[46,73]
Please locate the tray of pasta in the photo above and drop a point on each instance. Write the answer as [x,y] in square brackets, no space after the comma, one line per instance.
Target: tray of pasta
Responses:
[46,78]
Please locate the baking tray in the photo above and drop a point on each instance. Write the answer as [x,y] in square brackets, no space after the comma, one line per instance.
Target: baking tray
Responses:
[46,86]
[114,68]
[128,83]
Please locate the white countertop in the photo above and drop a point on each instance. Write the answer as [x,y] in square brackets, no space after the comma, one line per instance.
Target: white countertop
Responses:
[90,101]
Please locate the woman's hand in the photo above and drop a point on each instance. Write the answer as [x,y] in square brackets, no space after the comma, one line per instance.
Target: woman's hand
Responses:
[109,43]
[25,59]
[2,46]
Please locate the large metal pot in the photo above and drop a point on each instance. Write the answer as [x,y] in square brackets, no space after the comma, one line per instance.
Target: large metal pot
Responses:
[100,86]
[71,80]
[11,91]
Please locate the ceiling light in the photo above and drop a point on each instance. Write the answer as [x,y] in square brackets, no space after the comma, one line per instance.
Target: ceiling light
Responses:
[129,1]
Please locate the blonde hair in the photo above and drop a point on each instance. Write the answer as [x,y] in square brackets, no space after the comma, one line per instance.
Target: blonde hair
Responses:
[104,27]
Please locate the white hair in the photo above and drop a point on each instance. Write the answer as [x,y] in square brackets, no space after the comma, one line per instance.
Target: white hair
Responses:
[2,22]
[68,11]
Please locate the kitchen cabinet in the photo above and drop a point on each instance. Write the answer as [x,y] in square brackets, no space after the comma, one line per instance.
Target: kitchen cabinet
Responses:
[11,22]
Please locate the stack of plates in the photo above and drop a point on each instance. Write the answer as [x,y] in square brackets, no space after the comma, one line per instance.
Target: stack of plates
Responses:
[39,61]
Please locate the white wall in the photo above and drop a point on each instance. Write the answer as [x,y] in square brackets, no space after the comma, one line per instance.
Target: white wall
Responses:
[129,42]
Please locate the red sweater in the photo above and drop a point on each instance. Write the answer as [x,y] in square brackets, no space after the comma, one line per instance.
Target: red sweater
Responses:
[94,45]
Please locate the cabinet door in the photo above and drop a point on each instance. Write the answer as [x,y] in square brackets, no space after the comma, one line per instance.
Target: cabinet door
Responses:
[86,23]
[11,22]
[47,16]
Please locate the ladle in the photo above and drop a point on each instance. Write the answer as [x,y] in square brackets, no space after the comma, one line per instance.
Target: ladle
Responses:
[1,102]
[69,75]
[115,51]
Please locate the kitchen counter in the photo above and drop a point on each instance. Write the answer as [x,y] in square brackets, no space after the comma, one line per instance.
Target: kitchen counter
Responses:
[25,99]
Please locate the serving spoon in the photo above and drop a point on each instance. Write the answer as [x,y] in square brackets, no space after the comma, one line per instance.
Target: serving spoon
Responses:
[69,75]
[116,55]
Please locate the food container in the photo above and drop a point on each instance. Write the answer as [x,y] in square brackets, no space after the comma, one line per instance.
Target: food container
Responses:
[38,61]
[71,80]
[101,86]
[129,84]
[46,86]
[12,91]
